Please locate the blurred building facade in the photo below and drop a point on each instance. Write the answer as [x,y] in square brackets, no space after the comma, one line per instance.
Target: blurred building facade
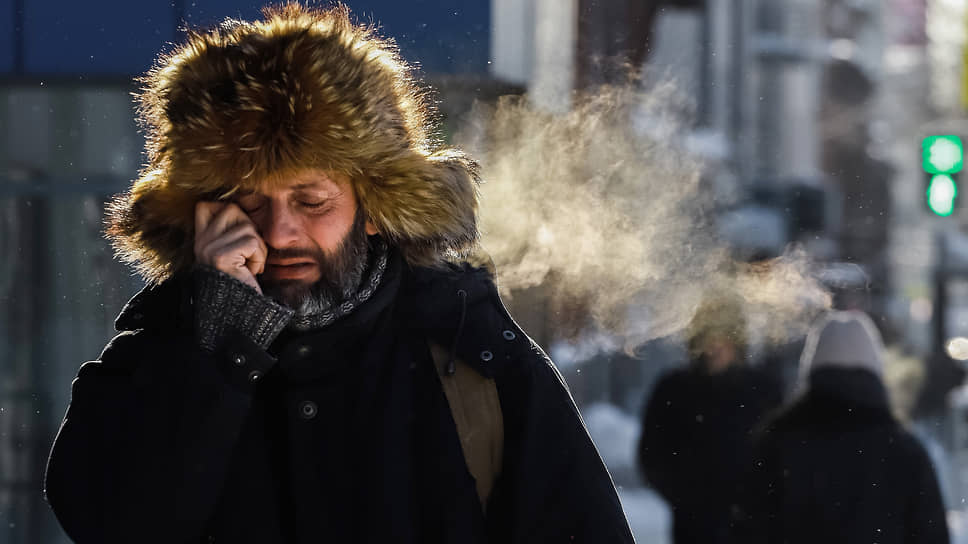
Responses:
[811,114]
[783,93]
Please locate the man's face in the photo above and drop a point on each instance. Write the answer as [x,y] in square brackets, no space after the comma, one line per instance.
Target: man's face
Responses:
[720,353]
[316,236]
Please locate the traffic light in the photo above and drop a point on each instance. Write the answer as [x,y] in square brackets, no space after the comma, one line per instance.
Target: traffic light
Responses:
[942,159]
[942,192]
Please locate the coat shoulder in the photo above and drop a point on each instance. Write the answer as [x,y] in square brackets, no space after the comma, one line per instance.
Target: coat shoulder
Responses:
[908,447]
[164,306]
[151,335]
[673,381]
[459,307]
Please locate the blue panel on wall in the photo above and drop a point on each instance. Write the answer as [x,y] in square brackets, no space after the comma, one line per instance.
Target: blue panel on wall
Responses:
[442,35]
[121,37]
[434,33]
[8,43]
[206,13]
[118,37]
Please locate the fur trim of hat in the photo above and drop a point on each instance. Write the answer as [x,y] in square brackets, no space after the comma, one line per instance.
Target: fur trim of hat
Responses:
[239,106]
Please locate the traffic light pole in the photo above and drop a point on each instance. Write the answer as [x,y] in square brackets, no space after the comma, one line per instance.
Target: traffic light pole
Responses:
[942,373]
[939,314]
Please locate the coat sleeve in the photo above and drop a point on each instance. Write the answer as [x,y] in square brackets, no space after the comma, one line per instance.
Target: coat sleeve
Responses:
[141,453]
[555,487]
[926,520]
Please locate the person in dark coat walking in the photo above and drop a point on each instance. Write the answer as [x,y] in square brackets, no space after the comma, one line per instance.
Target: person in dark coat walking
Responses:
[320,353]
[697,423]
[835,465]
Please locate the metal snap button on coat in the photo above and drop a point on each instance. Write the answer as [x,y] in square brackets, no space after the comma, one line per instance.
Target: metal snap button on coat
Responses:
[255,376]
[308,409]
[303,351]
[486,356]
[238,359]
[509,335]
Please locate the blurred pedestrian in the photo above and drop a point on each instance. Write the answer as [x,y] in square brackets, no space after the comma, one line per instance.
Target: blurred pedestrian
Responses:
[696,431]
[321,354]
[835,465]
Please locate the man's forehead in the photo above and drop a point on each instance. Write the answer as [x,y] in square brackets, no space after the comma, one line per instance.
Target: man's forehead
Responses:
[316,180]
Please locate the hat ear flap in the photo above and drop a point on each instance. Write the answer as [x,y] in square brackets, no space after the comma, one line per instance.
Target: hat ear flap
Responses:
[152,227]
[426,206]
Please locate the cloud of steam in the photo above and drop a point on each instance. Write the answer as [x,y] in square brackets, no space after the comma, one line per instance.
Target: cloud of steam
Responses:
[603,207]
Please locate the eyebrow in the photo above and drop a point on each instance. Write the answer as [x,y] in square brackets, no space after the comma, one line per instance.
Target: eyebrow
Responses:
[328,193]
[329,188]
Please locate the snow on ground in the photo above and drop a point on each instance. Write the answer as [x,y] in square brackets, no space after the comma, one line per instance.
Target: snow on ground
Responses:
[648,515]
[616,434]
[958,525]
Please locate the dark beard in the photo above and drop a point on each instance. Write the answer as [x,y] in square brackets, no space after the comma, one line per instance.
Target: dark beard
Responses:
[341,272]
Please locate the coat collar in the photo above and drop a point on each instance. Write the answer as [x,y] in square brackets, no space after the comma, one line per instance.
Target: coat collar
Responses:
[459,308]
[856,387]
[162,306]
[430,304]
[838,399]
[342,340]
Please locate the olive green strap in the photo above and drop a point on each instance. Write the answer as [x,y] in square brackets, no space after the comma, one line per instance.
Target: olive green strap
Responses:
[476,409]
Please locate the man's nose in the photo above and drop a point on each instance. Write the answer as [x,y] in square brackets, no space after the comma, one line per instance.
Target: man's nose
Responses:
[280,226]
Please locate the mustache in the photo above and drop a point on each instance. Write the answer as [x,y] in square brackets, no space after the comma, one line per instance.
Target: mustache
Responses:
[291,253]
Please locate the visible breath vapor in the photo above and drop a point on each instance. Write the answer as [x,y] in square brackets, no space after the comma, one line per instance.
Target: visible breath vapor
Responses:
[604,208]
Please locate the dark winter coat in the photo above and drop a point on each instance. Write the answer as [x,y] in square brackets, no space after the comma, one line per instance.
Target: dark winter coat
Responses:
[346,436]
[836,467]
[696,438]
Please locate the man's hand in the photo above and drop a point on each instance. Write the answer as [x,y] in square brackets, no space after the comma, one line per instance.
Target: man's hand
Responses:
[226,239]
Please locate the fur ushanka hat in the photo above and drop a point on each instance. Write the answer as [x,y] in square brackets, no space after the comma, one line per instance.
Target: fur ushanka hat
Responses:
[239,106]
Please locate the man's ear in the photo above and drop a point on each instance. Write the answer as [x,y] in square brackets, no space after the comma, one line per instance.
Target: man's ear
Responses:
[370,228]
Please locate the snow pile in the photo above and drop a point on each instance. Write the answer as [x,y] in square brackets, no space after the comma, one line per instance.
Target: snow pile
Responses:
[616,434]
[648,515]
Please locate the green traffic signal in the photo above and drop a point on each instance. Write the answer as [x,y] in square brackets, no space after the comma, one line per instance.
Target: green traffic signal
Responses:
[942,154]
[942,191]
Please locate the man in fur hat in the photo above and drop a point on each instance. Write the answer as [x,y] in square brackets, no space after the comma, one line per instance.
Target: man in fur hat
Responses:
[314,358]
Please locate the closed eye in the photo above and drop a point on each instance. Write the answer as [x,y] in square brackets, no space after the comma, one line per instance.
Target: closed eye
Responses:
[315,206]
[250,203]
